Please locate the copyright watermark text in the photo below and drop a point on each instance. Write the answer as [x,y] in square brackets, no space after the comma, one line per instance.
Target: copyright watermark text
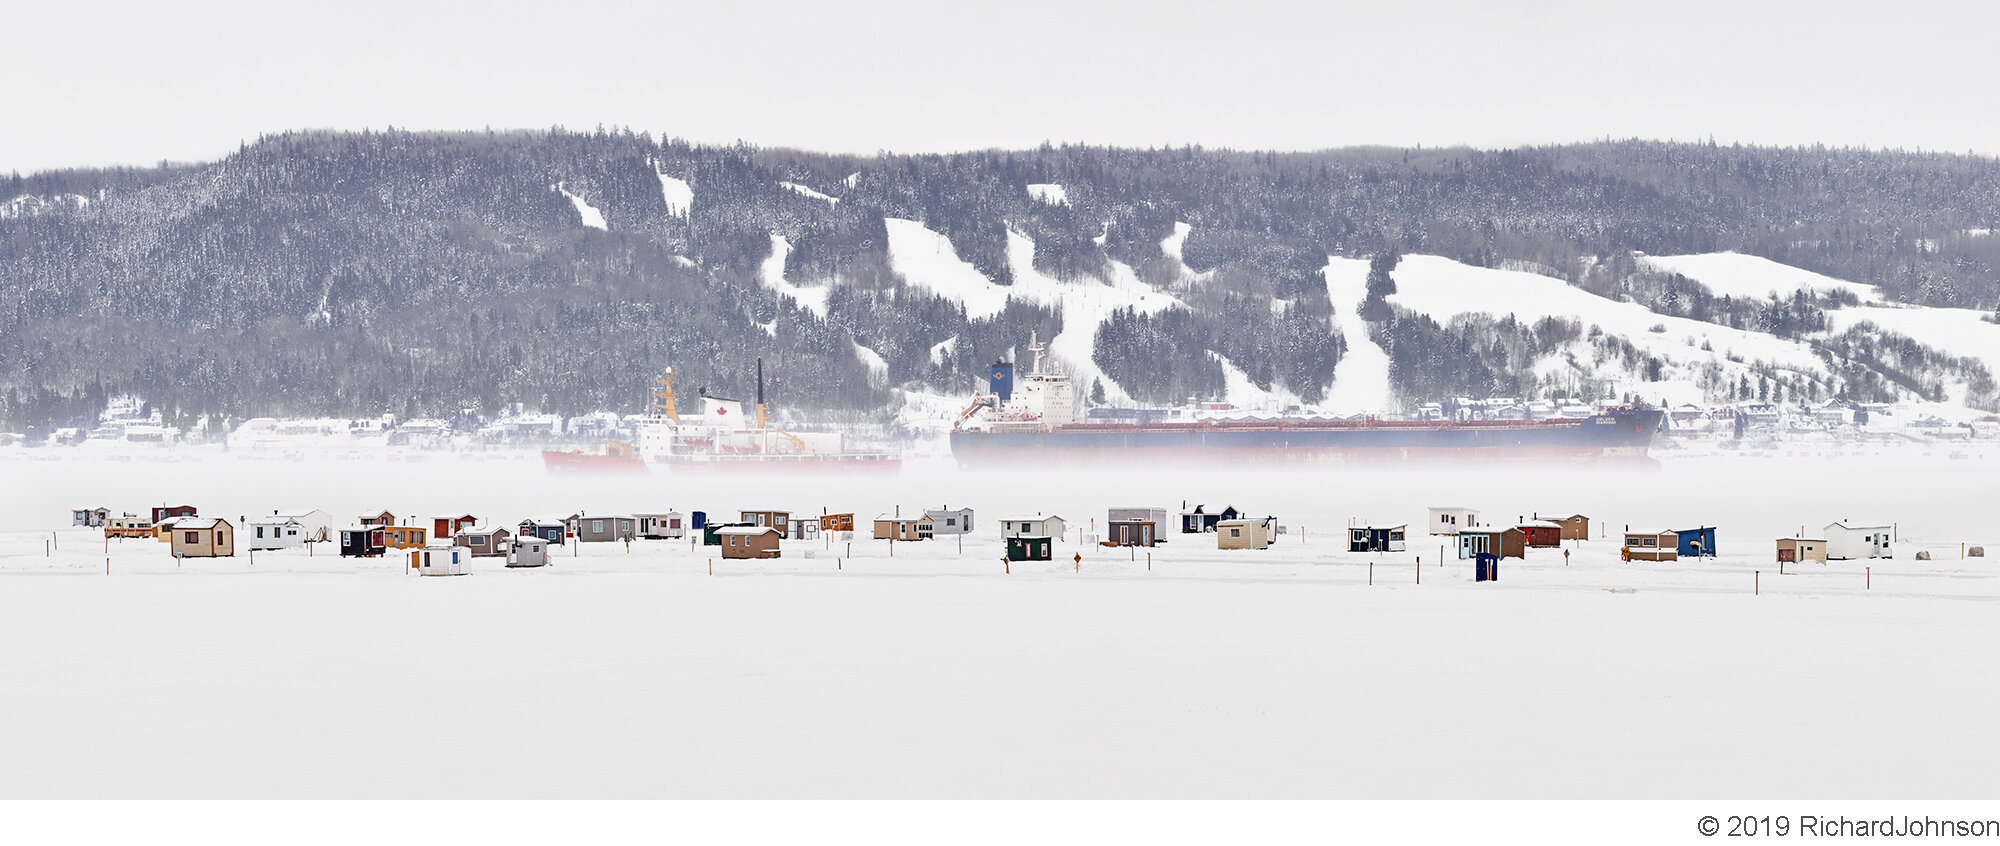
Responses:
[1809,825]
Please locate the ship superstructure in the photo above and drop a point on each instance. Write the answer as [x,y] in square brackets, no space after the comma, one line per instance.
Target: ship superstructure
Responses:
[725,435]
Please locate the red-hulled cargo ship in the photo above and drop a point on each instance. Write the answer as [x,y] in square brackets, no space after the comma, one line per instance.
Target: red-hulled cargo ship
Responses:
[1035,419]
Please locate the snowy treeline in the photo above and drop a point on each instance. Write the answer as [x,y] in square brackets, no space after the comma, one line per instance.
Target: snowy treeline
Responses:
[418,273]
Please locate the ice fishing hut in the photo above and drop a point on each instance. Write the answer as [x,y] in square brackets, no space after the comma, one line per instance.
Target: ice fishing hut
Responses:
[1254,533]
[1695,543]
[1652,546]
[749,542]
[891,527]
[441,561]
[528,551]
[362,542]
[315,526]
[163,531]
[1486,567]
[162,513]
[1135,526]
[1795,550]
[709,536]
[203,537]
[1506,543]
[1452,520]
[551,531]
[837,522]
[1541,534]
[274,532]
[1200,520]
[128,526]
[1848,542]
[482,542]
[1574,527]
[380,518]
[780,520]
[1030,548]
[661,525]
[1376,538]
[445,527]
[1042,527]
[946,520]
[616,527]
[91,517]
[405,537]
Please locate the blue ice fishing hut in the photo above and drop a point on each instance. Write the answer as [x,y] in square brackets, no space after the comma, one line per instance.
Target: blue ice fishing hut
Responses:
[1697,543]
[1486,567]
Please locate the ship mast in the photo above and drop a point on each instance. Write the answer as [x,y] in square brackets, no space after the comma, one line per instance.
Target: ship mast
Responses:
[663,397]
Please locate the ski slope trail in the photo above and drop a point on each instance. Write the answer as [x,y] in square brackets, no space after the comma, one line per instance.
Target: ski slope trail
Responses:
[1361,379]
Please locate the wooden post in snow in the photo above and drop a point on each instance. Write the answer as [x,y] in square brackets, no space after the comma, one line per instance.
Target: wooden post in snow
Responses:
[1756,582]
[1371,574]
[1867,578]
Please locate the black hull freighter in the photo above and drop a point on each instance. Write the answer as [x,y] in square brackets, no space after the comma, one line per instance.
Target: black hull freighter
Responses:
[1035,419]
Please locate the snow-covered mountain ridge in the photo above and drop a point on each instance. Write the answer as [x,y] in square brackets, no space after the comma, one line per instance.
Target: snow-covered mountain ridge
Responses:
[353,274]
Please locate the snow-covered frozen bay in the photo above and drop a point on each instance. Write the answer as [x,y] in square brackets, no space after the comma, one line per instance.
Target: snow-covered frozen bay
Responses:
[1273,673]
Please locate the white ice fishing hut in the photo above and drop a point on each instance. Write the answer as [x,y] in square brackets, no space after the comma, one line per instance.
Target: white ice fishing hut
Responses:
[1452,520]
[1844,541]
[528,551]
[441,561]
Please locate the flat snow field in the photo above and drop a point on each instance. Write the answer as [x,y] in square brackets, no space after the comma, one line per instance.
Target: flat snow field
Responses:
[1274,673]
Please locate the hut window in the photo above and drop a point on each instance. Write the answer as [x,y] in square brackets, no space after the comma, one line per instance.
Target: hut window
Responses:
[194,537]
[1235,533]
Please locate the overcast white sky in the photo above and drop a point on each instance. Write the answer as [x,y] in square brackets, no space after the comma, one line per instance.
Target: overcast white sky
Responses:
[99,83]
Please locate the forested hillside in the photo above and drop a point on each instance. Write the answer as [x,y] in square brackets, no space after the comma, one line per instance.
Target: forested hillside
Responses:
[414,273]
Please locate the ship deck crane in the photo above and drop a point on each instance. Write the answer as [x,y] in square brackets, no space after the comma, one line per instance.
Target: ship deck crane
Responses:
[977,404]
